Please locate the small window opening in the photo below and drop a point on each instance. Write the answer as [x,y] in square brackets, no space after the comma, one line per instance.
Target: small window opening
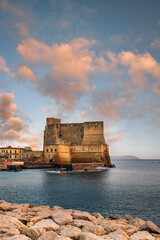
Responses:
[60,135]
[82,149]
[55,150]
[51,150]
[47,150]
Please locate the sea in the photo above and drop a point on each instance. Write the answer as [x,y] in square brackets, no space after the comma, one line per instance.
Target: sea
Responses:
[133,188]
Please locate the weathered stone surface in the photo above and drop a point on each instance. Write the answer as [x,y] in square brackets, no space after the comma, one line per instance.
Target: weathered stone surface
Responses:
[62,218]
[137,222]
[150,227]
[80,223]
[128,217]
[17,237]
[49,235]
[62,238]
[5,206]
[8,232]
[12,222]
[98,230]
[83,216]
[47,224]
[89,236]
[113,217]
[31,205]
[111,226]
[33,232]
[142,235]
[119,234]
[97,215]
[57,208]
[69,231]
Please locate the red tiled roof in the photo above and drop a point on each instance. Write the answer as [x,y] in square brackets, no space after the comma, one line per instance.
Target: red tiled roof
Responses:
[9,147]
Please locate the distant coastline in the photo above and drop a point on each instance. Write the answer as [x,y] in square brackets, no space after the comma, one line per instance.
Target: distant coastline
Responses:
[128,157]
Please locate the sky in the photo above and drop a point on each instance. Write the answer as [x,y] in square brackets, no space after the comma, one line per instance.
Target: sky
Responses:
[81,60]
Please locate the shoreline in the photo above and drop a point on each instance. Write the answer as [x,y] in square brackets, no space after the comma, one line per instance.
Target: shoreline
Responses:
[27,221]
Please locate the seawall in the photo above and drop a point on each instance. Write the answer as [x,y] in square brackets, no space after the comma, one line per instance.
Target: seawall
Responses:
[30,222]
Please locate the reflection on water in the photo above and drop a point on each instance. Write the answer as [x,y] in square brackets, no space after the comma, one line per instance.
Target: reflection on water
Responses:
[132,188]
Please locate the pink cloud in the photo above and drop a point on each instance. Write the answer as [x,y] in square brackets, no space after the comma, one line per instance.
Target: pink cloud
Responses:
[115,139]
[23,29]
[9,6]
[4,68]
[12,128]
[25,73]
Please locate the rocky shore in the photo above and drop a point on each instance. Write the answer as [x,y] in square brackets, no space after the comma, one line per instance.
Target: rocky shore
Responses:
[26,221]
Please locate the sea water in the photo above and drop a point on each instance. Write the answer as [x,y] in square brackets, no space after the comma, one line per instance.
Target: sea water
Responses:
[133,188]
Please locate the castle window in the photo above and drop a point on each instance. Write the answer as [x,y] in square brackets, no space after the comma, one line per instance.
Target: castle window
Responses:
[51,150]
[20,151]
[47,150]
[92,149]
[82,149]
[55,150]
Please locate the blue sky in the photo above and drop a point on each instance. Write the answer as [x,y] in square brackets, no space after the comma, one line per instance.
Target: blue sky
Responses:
[81,61]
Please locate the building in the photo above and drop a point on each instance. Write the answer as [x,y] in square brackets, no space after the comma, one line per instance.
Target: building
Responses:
[20,154]
[75,142]
[11,153]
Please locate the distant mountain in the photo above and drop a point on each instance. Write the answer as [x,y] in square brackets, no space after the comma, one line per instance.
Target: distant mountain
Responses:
[129,157]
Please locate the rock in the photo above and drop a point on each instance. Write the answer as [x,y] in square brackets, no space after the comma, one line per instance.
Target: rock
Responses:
[83,216]
[33,232]
[35,219]
[18,237]
[48,224]
[8,232]
[137,222]
[56,208]
[142,235]
[80,223]
[62,238]
[89,236]
[62,218]
[12,222]
[119,234]
[97,215]
[113,217]
[69,231]
[128,217]
[111,226]
[98,230]
[45,213]
[31,205]
[150,227]
[5,206]
[50,235]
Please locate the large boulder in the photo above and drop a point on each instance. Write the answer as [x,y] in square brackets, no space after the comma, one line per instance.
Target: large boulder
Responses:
[8,232]
[119,234]
[18,237]
[62,218]
[80,223]
[142,235]
[5,206]
[83,216]
[69,231]
[33,232]
[12,222]
[98,230]
[150,227]
[137,222]
[89,236]
[47,224]
[49,235]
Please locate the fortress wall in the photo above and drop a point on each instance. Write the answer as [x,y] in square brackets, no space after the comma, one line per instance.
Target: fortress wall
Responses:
[71,133]
[58,153]
[50,121]
[93,133]
[51,134]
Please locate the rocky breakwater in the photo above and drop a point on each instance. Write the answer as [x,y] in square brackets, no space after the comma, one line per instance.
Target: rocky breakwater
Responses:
[26,221]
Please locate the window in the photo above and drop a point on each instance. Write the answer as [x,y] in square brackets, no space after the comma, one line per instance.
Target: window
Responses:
[15,151]
[60,135]
[47,150]
[55,150]
[15,156]
[10,156]
[51,150]
[10,151]
[92,149]
[82,149]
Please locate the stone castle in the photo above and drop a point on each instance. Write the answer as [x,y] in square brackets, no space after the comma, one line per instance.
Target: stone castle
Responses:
[73,143]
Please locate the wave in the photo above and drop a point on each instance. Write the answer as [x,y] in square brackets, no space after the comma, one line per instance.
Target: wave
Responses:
[78,171]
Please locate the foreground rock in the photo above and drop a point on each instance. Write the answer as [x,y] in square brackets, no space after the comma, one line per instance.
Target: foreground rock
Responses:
[28,222]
